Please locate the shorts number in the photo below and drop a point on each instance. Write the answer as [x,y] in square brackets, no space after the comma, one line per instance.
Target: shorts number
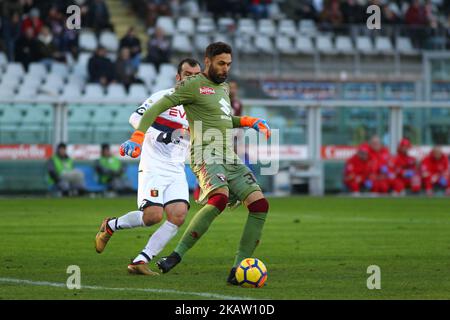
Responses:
[250,178]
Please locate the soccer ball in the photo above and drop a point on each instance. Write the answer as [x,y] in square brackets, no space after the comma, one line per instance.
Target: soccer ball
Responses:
[251,273]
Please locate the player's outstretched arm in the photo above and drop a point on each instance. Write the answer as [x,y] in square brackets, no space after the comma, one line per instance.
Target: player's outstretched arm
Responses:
[133,146]
[258,124]
[183,95]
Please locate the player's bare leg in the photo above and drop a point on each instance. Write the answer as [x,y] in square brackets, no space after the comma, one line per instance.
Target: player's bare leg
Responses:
[176,213]
[151,215]
[258,207]
[217,201]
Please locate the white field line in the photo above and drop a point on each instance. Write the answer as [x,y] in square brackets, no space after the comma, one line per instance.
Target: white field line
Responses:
[162,291]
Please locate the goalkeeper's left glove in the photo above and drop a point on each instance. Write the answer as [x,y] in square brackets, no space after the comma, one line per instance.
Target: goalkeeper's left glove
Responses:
[258,124]
[133,146]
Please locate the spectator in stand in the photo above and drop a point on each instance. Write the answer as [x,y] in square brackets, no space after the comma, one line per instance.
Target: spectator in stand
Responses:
[389,16]
[415,14]
[260,8]
[133,44]
[11,29]
[84,10]
[306,10]
[111,171]
[100,67]
[55,20]
[156,8]
[33,21]
[352,12]
[360,172]
[27,48]
[431,14]
[125,69]
[98,16]
[331,16]
[48,51]
[435,171]
[27,5]
[405,169]
[62,176]
[415,18]
[235,8]
[159,49]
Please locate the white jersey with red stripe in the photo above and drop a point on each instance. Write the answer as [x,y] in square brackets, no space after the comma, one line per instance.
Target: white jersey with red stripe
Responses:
[159,154]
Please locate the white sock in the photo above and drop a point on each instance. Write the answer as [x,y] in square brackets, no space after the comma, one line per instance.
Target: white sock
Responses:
[130,220]
[158,241]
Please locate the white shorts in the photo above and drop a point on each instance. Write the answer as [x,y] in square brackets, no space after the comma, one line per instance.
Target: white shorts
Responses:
[156,188]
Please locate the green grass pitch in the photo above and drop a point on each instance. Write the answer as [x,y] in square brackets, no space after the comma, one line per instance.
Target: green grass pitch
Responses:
[314,248]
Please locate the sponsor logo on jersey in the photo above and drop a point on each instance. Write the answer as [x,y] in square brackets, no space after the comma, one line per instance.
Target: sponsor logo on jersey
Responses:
[141,110]
[174,112]
[207,90]
[154,192]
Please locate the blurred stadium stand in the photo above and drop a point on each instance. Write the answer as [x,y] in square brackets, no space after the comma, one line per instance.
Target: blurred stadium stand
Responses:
[282,51]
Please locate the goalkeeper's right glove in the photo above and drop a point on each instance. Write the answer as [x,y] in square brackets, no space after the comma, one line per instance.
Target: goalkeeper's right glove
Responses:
[133,146]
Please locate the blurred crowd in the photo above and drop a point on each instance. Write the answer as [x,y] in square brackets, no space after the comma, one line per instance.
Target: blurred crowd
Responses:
[35,30]
[333,12]
[373,169]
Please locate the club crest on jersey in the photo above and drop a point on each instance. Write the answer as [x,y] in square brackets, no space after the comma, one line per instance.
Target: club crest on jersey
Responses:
[154,192]
[221,177]
[207,90]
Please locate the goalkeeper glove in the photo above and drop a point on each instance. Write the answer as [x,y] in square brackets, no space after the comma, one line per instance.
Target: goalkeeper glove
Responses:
[133,146]
[259,125]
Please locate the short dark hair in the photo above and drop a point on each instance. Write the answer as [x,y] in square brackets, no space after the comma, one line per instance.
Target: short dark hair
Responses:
[105,146]
[61,145]
[189,61]
[217,48]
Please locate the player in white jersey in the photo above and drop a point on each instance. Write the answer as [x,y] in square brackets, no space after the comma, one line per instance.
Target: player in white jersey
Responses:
[162,184]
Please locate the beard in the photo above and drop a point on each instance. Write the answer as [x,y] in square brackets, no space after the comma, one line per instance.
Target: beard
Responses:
[215,77]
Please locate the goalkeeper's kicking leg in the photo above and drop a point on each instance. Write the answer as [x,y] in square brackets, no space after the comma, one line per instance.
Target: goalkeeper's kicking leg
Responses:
[217,201]
[258,208]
